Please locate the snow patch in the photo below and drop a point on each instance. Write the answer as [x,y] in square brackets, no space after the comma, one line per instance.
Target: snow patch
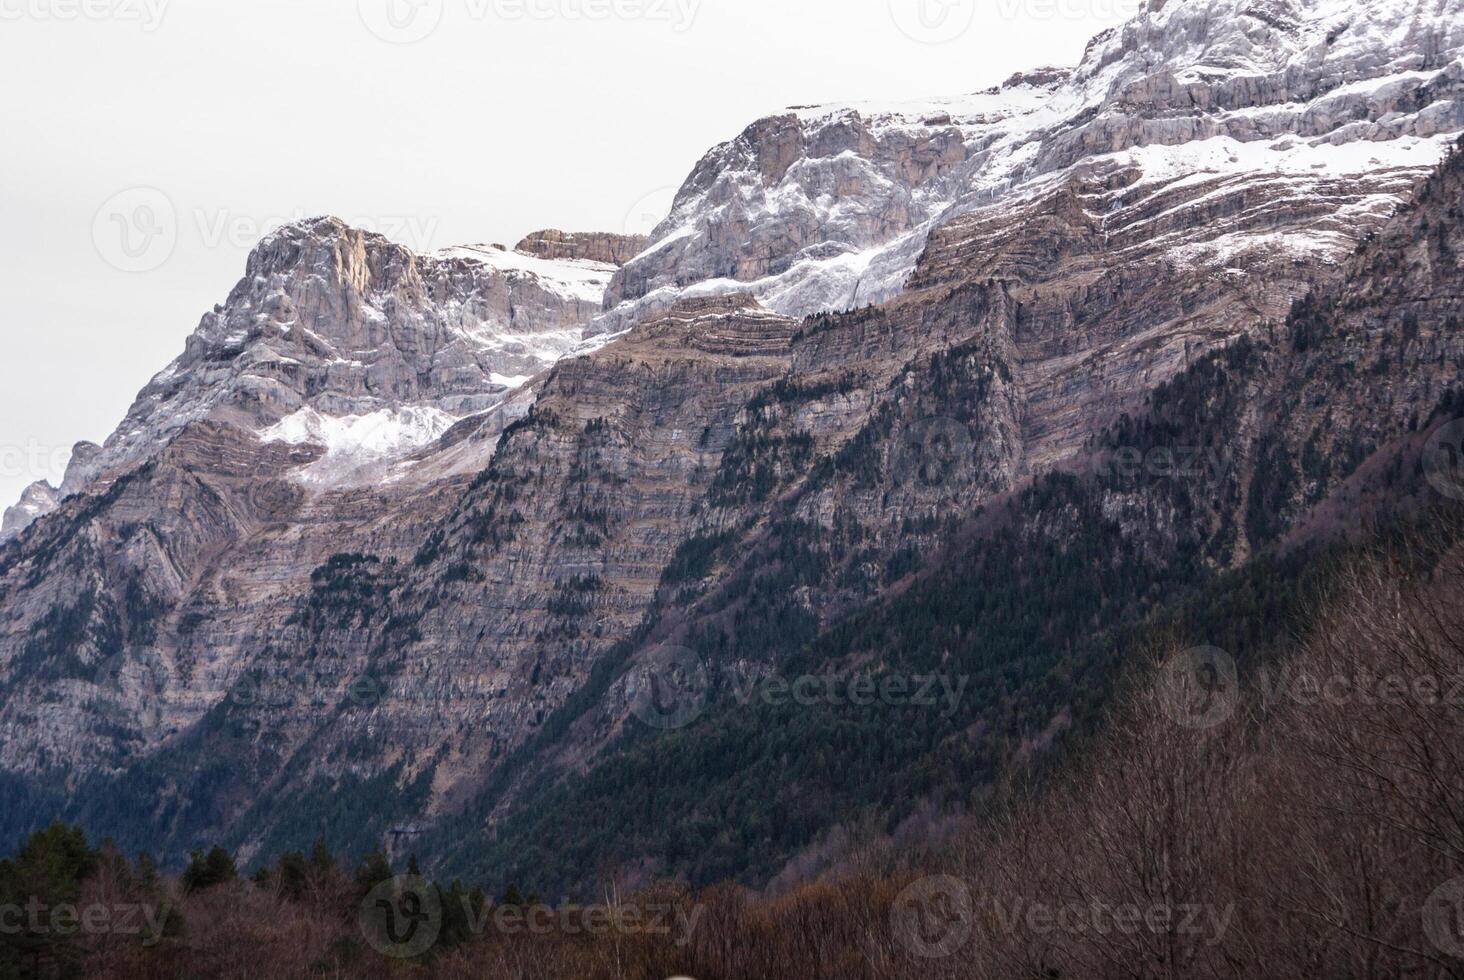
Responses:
[356,442]
[577,279]
[517,381]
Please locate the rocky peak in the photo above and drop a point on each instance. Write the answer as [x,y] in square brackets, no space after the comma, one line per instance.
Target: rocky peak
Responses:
[37,500]
[1047,76]
[829,207]
[78,467]
[355,477]
[324,246]
[343,339]
[1310,45]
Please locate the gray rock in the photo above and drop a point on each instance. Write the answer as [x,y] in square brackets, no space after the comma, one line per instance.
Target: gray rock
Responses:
[829,207]
[36,501]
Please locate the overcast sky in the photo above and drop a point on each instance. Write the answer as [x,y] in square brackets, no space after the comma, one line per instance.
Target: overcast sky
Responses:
[437,122]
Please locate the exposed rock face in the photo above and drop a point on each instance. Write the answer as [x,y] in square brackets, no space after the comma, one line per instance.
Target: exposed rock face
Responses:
[508,591]
[829,207]
[1027,329]
[339,338]
[418,471]
[592,246]
[1314,425]
[83,455]
[38,499]
[334,361]
[558,548]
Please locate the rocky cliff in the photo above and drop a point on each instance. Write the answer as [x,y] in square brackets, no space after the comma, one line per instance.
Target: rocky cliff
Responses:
[340,339]
[38,499]
[397,537]
[1205,514]
[829,207]
[595,247]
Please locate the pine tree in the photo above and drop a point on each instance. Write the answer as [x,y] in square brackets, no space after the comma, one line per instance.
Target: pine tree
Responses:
[372,872]
[322,862]
[208,870]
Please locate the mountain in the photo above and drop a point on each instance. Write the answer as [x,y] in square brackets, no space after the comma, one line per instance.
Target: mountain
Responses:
[394,549]
[1206,516]
[829,207]
[339,339]
[37,499]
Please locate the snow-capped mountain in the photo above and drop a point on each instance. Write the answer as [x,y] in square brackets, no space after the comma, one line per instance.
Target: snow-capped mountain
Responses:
[489,478]
[341,339]
[829,207]
[816,209]
[37,500]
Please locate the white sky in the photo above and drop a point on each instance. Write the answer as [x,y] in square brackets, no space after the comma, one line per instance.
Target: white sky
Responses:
[506,117]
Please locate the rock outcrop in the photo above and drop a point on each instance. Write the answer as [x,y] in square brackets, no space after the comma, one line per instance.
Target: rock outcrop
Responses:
[394,520]
[829,207]
[591,246]
[37,500]
[339,338]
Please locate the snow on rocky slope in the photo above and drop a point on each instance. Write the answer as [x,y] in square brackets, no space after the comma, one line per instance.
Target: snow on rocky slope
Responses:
[829,207]
[37,500]
[340,339]
[1080,236]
